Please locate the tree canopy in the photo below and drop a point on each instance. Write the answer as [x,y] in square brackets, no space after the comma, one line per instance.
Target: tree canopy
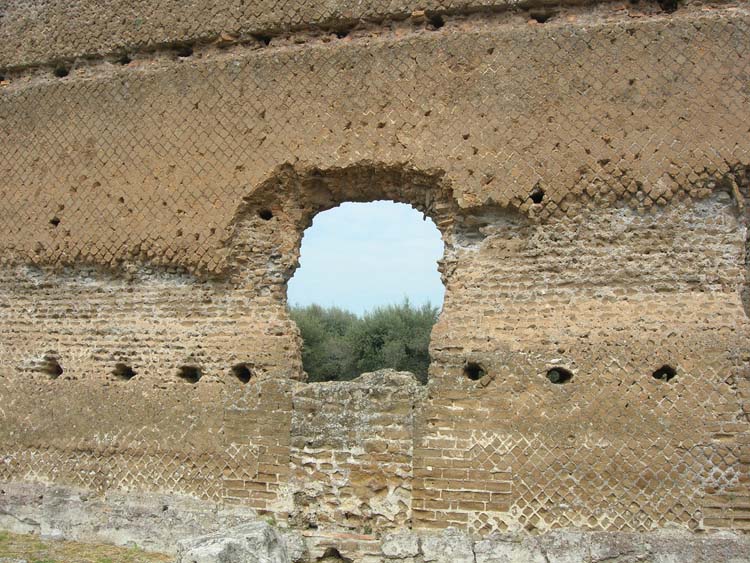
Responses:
[339,345]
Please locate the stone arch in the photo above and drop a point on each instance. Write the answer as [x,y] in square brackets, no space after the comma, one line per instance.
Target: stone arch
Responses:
[264,246]
[270,222]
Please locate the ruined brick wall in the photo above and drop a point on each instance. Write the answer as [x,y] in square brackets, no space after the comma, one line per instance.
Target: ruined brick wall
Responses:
[352,451]
[587,167]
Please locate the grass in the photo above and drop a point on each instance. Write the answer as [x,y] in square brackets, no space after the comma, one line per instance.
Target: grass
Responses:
[35,550]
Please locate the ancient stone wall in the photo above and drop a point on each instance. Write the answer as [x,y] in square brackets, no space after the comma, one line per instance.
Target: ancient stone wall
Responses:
[587,167]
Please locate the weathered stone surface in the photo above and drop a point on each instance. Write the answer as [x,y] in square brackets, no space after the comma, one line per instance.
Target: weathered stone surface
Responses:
[614,547]
[506,548]
[723,546]
[563,547]
[674,546]
[255,542]
[400,545]
[21,508]
[451,546]
[295,545]
[151,521]
[365,420]
[566,546]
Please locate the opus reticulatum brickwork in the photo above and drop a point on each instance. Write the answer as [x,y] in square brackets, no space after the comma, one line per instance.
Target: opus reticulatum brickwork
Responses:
[588,166]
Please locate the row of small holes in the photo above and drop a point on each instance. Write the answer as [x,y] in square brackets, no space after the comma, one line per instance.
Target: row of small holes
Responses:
[558,375]
[436,21]
[191,374]
[186,51]
[543,16]
[62,71]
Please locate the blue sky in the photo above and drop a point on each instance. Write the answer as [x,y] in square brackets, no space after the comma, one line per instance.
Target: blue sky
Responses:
[361,255]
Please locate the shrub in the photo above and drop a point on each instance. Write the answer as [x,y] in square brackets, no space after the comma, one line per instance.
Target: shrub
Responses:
[339,345]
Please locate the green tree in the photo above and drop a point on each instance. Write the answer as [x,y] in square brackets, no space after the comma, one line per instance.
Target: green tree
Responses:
[325,353]
[339,345]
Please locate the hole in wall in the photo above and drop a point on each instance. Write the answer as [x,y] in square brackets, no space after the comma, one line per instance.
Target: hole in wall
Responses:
[55,221]
[184,51]
[537,194]
[542,16]
[474,371]
[242,372]
[190,374]
[669,5]
[2,78]
[558,375]
[61,71]
[341,33]
[436,21]
[124,60]
[265,214]
[333,555]
[664,373]
[264,39]
[364,296]
[123,372]
[51,366]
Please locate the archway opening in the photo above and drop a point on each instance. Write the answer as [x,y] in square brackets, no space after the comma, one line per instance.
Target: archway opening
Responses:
[368,291]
